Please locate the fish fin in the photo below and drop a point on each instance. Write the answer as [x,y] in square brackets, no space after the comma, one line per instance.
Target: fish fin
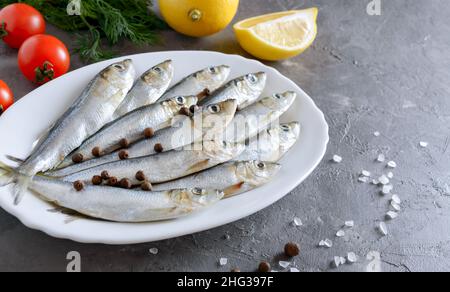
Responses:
[233,190]
[9,175]
[21,186]
[199,166]
[6,177]
[15,159]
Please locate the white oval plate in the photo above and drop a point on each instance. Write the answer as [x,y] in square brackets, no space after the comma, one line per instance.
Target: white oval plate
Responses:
[34,113]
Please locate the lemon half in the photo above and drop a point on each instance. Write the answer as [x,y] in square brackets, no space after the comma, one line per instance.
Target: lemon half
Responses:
[278,36]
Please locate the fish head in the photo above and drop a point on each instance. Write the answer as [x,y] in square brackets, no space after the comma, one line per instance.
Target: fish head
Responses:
[288,135]
[251,86]
[256,172]
[222,150]
[121,74]
[279,101]
[160,75]
[219,115]
[178,102]
[196,197]
[213,77]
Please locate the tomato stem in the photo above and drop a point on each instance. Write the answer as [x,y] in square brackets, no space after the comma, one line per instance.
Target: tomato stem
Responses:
[46,71]
[3,31]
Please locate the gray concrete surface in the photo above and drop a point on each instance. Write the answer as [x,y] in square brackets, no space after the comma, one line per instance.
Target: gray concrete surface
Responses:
[387,73]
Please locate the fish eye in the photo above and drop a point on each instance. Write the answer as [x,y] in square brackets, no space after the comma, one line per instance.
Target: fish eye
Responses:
[278,96]
[285,128]
[198,191]
[180,100]
[261,165]
[252,78]
[157,70]
[212,70]
[214,108]
[119,67]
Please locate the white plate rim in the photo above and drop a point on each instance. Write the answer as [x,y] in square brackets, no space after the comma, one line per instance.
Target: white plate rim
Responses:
[285,189]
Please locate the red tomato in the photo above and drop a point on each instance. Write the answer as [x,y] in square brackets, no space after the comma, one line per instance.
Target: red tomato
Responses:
[6,97]
[43,58]
[18,22]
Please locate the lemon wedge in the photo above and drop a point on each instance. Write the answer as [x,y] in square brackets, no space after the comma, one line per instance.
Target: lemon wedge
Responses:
[278,36]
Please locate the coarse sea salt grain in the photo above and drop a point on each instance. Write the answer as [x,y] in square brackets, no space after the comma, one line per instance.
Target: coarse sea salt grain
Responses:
[153,250]
[387,189]
[337,158]
[297,222]
[284,264]
[340,233]
[352,258]
[390,175]
[381,158]
[376,134]
[336,262]
[363,179]
[343,260]
[396,199]
[326,243]
[365,173]
[375,182]
[349,224]
[294,270]
[391,215]
[384,180]
[423,144]
[223,261]
[382,228]
[396,206]
[392,164]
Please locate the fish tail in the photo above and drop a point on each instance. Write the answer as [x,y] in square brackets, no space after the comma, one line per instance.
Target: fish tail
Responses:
[9,175]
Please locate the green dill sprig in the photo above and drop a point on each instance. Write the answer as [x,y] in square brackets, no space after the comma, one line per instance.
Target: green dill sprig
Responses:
[111,20]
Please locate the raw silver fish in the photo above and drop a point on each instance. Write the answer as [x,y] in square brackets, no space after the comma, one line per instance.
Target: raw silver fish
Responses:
[272,144]
[166,166]
[233,178]
[120,205]
[258,116]
[147,89]
[206,124]
[210,78]
[245,89]
[131,127]
[90,111]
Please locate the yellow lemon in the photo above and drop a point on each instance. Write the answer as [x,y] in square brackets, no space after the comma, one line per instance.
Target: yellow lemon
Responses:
[198,18]
[278,36]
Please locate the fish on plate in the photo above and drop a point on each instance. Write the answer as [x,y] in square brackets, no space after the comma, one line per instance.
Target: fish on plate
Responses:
[164,166]
[208,79]
[258,116]
[90,111]
[233,177]
[245,89]
[206,123]
[119,205]
[272,144]
[147,89]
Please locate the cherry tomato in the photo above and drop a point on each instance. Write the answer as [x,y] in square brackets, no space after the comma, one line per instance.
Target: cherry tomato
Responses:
[18,22]
[6,97]
[43,58]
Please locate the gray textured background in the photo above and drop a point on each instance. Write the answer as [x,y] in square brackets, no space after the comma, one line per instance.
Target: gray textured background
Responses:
[387,73]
